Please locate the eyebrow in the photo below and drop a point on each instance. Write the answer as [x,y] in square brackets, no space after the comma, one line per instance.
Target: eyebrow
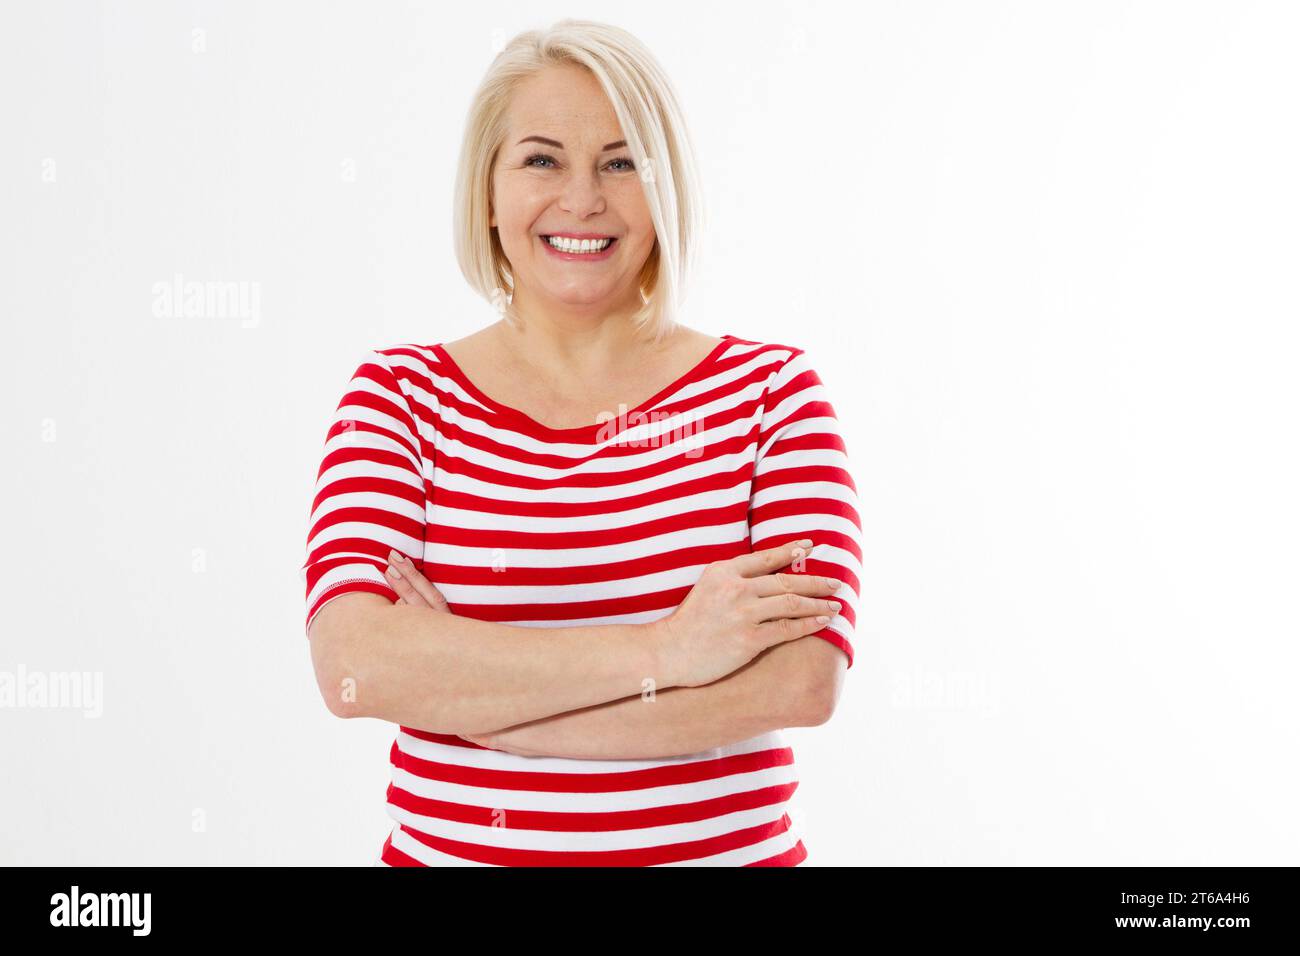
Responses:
[558,145]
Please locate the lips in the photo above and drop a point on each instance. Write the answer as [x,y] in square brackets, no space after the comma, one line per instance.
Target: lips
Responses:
[604,253]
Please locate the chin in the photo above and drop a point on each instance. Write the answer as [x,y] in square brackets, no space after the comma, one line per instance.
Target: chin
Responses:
[585,297]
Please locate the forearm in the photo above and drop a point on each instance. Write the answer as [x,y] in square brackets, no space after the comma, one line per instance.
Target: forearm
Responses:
[445,673]
[767,694]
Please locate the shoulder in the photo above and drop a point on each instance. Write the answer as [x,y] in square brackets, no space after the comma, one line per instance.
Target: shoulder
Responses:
[782,361]
[403,353]
[789,379]
[409,368]
[405,361]
[778,351]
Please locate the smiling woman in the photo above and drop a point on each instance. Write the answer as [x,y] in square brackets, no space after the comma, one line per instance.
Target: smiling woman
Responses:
[588,623]
[576,132]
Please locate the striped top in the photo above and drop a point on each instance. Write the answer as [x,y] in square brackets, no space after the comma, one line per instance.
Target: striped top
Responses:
[518,522]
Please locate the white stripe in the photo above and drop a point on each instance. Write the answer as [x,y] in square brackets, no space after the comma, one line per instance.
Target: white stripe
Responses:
[645,798]
[575,558]
[405,543]
[485,759]
[746,854]
[609,517]
[369,469]
[507,837]
[426,854]
[699,455]
[559,594]
[341,574]
[764,850]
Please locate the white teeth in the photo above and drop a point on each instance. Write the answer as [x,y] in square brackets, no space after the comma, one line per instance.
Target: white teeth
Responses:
[578,245]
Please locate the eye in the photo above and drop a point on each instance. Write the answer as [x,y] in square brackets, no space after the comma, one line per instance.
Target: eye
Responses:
[542,157]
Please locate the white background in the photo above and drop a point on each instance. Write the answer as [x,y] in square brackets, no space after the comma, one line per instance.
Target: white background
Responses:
[1043,255]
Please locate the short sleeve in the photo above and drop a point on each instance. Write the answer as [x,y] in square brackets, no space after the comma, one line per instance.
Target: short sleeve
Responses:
[370,491]
[802,488]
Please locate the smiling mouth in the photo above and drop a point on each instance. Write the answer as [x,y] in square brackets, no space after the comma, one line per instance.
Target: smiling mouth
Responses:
[579,246]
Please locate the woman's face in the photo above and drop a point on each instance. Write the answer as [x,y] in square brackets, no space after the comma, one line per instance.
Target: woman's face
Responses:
[563,169]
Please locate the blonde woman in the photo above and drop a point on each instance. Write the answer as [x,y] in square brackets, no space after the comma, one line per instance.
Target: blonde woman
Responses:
[589,560]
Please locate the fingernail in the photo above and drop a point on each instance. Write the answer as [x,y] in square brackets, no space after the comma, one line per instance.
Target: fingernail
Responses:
[832,583]
[834,605]
[394,574]
[823,619]
[806,542]
[394,556]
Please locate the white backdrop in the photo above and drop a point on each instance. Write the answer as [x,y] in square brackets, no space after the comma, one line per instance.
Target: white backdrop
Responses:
[1043,255]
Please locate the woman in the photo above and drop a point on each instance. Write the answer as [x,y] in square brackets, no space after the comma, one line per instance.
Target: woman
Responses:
[575,555]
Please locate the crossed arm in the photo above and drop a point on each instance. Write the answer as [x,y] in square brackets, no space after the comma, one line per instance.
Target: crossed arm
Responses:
[794,684]
[779,688]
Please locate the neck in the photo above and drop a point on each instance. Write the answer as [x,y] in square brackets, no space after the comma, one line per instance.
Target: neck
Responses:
[575,338]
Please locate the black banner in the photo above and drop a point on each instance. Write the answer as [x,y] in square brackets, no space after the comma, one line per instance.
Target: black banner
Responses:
[1228,906]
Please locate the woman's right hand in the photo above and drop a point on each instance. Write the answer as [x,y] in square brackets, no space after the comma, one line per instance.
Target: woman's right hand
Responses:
[738,608]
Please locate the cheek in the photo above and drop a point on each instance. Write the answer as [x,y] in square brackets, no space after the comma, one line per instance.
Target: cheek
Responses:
[516,203]
[634,211]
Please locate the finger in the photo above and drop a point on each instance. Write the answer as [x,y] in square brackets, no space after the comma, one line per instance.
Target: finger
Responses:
[772,559]
[790,629]
[431,596]
[400,600]
[813,585]
[404,588]
[791,605]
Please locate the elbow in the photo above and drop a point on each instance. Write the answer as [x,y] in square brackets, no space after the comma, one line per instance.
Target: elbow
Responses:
[338,684]
[338,693]
[820,696]
[823,666]
[356,678]
[336,669]
[818,706]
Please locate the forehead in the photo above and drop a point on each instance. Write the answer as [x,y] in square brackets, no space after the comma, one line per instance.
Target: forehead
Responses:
[562,101]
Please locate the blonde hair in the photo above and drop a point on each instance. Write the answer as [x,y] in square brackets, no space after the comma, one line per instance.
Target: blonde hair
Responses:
[656,135]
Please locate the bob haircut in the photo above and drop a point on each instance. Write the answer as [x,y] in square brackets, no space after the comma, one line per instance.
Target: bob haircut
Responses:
[653,126]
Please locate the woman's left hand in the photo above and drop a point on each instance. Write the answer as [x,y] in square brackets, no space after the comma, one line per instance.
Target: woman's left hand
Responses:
[412,587]
[415,590]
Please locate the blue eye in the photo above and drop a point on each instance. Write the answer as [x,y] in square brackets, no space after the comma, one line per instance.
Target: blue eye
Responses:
[549,159]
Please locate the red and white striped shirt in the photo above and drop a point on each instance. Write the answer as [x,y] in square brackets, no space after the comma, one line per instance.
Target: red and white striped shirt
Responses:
[517,522]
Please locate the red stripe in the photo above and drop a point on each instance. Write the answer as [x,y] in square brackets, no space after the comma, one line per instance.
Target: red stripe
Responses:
[575,478]
[641,856]
[611,503]
[395,857]
[533,540]
[587,573]
[569,821]
[791,857]
[620,781]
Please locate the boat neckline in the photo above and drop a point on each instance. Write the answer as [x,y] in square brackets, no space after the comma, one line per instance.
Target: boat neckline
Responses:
[581,431]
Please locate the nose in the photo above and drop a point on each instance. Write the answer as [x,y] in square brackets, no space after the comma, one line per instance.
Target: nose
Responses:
[581,195]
